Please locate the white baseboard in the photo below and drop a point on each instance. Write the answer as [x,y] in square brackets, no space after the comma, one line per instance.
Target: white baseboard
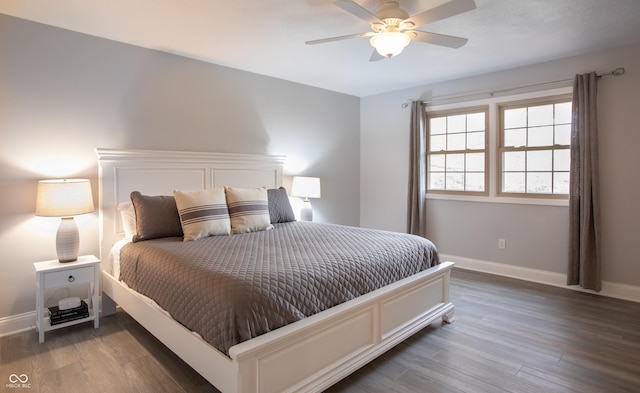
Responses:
[17,323]
[610,289]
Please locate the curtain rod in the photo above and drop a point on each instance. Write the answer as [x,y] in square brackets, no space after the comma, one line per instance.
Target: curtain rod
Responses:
[616,72]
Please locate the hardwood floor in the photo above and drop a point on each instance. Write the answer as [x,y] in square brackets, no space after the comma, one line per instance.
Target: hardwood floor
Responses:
[509,336]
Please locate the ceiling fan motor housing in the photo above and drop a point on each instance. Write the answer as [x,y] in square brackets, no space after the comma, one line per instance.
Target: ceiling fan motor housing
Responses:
[391,14]
[391,10]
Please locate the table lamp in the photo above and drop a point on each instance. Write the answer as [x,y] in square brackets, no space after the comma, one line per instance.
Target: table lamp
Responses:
[306,187]
[65,198]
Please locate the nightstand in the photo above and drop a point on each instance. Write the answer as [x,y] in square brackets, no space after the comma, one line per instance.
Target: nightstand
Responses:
[54,275]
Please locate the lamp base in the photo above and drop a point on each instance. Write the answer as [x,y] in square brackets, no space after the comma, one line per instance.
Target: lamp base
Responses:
[67,240]
[306,212]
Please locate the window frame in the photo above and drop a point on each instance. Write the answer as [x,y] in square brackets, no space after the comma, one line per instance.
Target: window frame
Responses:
[466,110]
[500,148]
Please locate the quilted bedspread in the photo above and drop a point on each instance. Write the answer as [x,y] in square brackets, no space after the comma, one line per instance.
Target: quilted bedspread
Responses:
[232,288]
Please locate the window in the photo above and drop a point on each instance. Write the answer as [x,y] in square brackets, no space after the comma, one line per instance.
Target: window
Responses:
[534,141]
[457,154]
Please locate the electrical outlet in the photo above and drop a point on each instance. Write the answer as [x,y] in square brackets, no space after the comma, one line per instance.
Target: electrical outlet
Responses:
[502,244]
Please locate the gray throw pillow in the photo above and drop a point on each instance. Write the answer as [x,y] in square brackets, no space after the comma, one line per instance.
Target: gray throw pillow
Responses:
[156,216]
[279,207]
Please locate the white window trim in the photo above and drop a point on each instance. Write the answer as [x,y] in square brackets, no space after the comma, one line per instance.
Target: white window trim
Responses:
[493,104]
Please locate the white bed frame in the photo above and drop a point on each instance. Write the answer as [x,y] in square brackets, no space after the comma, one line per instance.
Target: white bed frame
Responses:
[309,355]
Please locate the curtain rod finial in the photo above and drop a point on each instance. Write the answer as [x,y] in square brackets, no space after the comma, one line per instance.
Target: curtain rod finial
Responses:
[407,102]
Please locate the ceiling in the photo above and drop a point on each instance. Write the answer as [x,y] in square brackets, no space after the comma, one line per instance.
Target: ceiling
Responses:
[267,36]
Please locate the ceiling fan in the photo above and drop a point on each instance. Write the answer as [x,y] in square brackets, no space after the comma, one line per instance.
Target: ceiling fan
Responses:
[393,28]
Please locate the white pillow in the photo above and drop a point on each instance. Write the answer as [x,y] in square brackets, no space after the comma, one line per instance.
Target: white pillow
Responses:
[203,213]
[248,209]
[128,216]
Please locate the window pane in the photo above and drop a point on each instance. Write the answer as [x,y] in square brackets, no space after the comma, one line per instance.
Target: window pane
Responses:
[539,161]
[541,136]
[436,181]
[516,137]
[455,181]
[451,135]
[455,141]
[563,113]
[475,122]
[515,118]
[438,125]
[539,182]
[540,115]
[475,162]
[513,161]
[436,163]
[455,162]
[474,182]
[534,141]
[456,123]
[438,143]
[563,135]
[475,140]
[561,160]
[513,182]
[561,183]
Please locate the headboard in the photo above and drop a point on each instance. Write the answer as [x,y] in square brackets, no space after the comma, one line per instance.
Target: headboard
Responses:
[159,172]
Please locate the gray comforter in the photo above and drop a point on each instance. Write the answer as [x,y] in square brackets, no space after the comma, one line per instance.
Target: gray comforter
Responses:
[232,288]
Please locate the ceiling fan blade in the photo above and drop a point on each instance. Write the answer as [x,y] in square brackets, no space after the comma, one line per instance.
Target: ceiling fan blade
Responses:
[437,39]
[375,56]
[356,9]
[443,11]
[342,37]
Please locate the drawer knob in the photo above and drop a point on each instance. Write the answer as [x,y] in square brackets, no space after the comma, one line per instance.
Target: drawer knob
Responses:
[71,279]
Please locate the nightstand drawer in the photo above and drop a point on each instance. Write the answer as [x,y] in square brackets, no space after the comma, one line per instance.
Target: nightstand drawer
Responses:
[69,277]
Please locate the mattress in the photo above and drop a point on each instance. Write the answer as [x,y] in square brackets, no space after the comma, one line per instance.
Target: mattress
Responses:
[230,289]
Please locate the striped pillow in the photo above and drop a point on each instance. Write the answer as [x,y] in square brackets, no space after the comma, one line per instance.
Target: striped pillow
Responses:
[248,209]
[203,213]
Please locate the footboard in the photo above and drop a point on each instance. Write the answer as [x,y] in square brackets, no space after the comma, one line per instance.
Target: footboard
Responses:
[315,353]
[309,355]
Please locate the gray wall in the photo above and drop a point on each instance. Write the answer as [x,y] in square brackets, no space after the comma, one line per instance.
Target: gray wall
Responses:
[536,235]
[62,94]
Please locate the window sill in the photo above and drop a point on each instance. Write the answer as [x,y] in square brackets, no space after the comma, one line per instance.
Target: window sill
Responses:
[504,200]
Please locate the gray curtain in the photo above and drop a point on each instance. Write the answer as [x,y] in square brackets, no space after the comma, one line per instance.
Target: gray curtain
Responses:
[584,198]
[417,170]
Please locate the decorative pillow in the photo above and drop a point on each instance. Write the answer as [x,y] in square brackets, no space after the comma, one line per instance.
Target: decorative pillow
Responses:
[156,216]
[203,213]
[248,209]
[279,206]
[128,218]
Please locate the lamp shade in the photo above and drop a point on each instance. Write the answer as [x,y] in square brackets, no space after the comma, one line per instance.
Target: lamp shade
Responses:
[306,187]
[64,198]
[390,43]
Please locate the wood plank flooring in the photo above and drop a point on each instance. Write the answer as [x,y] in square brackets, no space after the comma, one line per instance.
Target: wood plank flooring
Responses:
[509,336]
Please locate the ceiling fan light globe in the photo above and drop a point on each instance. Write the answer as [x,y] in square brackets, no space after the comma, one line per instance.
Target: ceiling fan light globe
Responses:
[389,44]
